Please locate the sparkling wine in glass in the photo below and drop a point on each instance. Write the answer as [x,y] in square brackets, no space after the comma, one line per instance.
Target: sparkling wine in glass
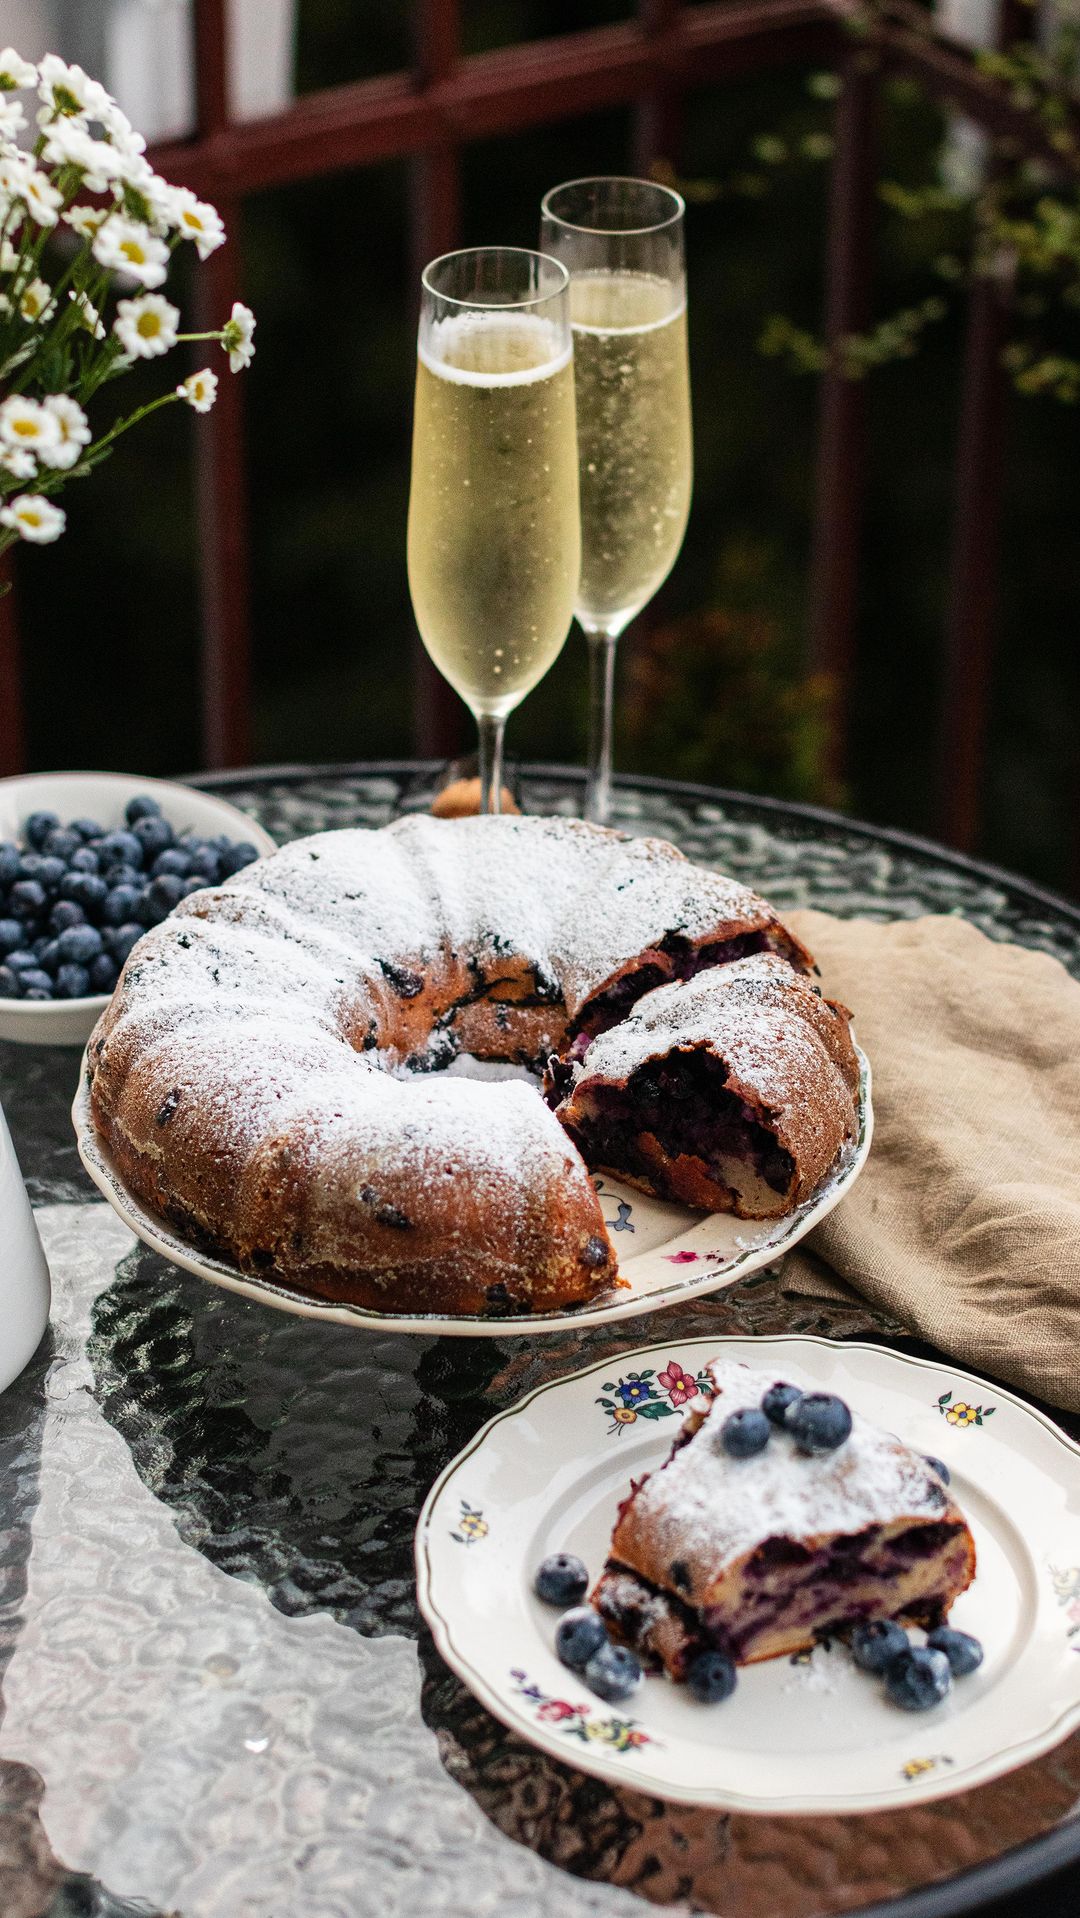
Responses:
[622,242]
[494,542]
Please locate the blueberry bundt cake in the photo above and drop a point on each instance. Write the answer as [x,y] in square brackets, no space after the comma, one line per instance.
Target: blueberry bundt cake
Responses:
[758,1555]
[733,1092]
[265,1075]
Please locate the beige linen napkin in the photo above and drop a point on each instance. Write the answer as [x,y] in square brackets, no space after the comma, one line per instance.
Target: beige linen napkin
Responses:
[965,1222]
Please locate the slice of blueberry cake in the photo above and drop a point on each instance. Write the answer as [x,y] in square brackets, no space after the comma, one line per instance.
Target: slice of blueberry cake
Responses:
[779,1517]
[733,1091]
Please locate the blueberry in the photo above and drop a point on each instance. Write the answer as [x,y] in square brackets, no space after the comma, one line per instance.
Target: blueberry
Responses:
[9,983]
[81,944]
[27,899]
[818,1422]
[235,857]
[153,834]
[66,913]
[205,861]
[22,959]
[87,890]
[711,1677]
[61,842]
[777,1399]
[613,1673]
[120,848]
[875,1645]
[11,935]
[578,1635]
[125,875]
[141,807]
[50,872]
[939,1466]
[162,895]
[120,905]
[197,884]
[964,1653]
[561,1580]
[918,1679]
[104,973]
[10,860]
[123,939]
[72,982]
[49,955]
[86,828]
[173,859]
[38,992]
[745,1432]
[30,865]
[36,980]
[85,859]
[39,826]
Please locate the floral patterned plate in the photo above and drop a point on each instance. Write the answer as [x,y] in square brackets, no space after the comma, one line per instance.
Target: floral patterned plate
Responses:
[667,1253]
[808,1734]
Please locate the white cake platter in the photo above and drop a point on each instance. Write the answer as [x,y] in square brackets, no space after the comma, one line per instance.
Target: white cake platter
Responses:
[667,1254]
[809,1734]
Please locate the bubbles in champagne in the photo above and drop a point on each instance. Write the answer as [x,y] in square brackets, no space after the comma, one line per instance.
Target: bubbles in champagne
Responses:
[494,533]
[633,414]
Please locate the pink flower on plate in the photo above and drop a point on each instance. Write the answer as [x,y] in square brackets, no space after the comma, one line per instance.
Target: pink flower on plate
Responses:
[678,1384]
[555,1709]
[682,1258]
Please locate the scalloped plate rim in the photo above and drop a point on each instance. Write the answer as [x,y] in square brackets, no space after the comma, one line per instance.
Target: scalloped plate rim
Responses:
[934,1785]
[155,1234]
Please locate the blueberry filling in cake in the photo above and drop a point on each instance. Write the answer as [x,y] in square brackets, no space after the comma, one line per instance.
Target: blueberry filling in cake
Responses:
[733,1090]
[681,960]
[755,1556]
[683,1105]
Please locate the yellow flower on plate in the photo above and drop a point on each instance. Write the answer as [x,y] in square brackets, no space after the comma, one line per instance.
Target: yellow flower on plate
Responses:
[961,1414]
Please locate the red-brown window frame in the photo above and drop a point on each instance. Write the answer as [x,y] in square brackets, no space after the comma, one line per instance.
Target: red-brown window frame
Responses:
[426,115]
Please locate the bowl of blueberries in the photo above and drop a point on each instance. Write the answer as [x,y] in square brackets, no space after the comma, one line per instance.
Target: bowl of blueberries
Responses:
[89,861]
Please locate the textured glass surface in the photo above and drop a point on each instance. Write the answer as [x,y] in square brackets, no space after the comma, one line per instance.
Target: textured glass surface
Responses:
[217,1695]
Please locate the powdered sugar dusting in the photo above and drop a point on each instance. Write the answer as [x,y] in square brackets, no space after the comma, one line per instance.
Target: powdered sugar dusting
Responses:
[575,901]
[723,1508]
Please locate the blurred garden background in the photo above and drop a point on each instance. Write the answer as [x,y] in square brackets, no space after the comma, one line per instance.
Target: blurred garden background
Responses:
[714,682]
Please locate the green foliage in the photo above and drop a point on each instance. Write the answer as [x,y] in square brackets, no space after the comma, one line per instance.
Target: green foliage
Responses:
[1017,221]
[716,696]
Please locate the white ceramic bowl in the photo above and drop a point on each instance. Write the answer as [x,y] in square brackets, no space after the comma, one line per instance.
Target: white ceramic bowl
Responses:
[103,796]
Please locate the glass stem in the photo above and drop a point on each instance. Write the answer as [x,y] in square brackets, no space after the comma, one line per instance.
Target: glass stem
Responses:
[601,709]
[491,728]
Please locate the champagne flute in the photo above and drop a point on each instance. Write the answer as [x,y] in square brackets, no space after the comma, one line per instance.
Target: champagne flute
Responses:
[494,543]
[622,241]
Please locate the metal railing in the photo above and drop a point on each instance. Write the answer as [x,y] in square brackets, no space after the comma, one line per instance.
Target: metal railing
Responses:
[427,114]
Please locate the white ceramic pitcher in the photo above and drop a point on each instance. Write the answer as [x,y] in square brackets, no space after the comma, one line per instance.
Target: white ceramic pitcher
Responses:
[24,1275]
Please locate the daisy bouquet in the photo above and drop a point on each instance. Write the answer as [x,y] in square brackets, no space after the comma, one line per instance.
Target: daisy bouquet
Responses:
[87,231]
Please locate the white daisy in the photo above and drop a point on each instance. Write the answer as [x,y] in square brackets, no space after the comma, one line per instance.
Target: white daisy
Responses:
[34,518]
[119,128]
[43,202]
[9,256]
[147,326]
[15,72]
[68,91]
[86,219]
[36,302]
[18,461]
[15,169]
[199,390]
[68,144]
[131,248]
[89,317]
[237,337]
[24,422]
[197,220]
[12,118]
[74,430]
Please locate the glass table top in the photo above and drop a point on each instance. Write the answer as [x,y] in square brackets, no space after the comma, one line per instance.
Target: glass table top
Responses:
[216,1694]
